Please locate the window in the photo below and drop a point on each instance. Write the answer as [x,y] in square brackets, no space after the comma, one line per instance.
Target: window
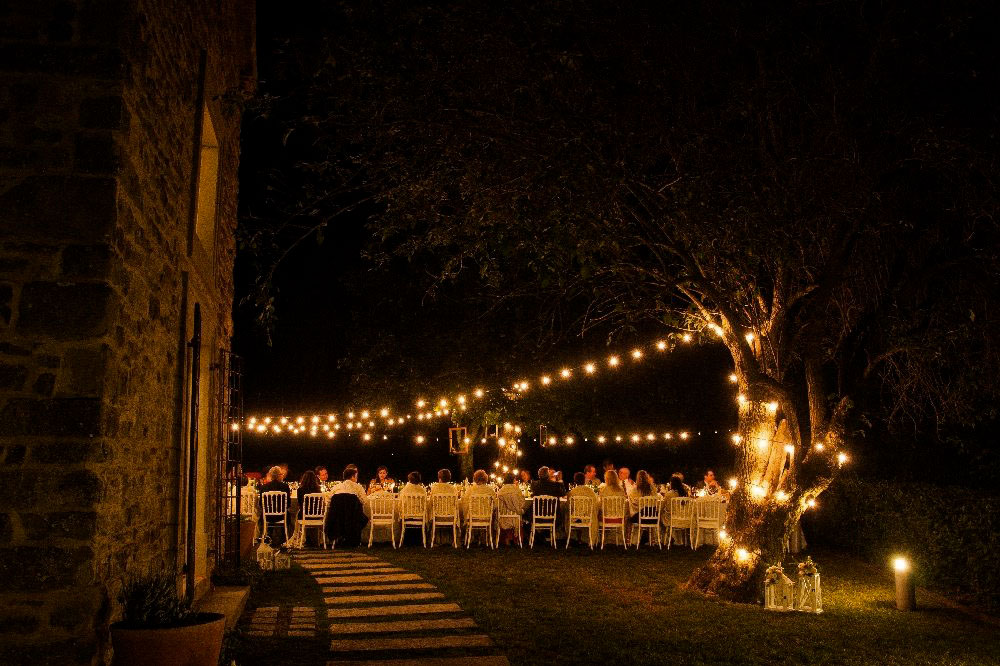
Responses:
[208,179]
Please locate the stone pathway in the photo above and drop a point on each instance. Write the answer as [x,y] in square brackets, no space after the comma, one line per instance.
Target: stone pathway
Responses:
[377,613]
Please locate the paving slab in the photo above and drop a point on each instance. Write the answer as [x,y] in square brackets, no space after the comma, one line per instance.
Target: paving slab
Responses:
[373,598]
[331,580]
[412,643]
[401,625]
[377,588]
[356,571]
[407,609]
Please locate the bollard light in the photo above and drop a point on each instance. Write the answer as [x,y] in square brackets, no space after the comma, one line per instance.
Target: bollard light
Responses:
[906,598]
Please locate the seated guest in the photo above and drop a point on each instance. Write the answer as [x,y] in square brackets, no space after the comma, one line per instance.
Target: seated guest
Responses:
[624,475]
[643,488]
[546,486]
[612,485]
[350,485]
[307,484]
[382,481]
[606,465]
[413,486]
[590,476]
[677,486]
[480,486]
[510,501]
[274,484]
[709,484]
[443,484]
[346,517]
[284,470]
[322,475]
[524,476]
[583,489]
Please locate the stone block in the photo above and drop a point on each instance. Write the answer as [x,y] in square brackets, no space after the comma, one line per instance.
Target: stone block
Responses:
[102,113]
[44,384]
[65,311]
[31,491]
[59,525]
[69,452]
[96,153]
[52,208]
[85,371]
[12,377]
[87,262]
[41,568]
[17,623]
[56,417]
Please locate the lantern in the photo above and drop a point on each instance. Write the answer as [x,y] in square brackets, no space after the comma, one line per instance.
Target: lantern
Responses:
[282,559]
[779,591]
[265,554]
[810,594]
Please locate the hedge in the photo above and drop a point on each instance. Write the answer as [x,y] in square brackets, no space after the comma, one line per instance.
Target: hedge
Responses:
[950,533]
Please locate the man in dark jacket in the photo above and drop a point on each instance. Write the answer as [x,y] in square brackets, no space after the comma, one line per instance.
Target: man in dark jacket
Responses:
[275,530]
[546,486]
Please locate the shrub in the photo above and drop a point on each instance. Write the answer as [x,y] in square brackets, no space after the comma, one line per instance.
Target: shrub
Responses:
[950,533]
[152,601]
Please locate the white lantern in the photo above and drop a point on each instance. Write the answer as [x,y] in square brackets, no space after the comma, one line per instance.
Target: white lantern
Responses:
[265,555]
[810,593]
[779,591]
[282,559]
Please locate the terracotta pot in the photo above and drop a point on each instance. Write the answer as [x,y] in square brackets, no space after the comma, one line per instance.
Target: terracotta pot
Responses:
[247,529]
[191,645]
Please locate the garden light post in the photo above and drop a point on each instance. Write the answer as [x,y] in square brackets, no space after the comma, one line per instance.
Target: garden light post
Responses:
[906,599]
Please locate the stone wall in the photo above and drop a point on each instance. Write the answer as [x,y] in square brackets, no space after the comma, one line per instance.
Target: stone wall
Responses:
[100,105]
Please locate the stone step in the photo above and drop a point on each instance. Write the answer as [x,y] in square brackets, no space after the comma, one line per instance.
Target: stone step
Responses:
[413,643]
[426,661]
[356,571]
[377,588]
[408,609]
[343,565]
[372,598]
[333,580]
[401,625]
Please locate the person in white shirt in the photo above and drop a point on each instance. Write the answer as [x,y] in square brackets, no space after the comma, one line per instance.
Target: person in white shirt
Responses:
[480,486]
[443,484]
[413,486]
[627,484]
[510,501]
[350,485]
[583,489]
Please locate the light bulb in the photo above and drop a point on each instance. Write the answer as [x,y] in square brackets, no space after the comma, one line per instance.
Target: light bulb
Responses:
[661,345]
[565,373]
[789,449]
[478,393]
[590,368]
[601,439]
[742,554]
[733,483]
[636,354]
[749,338]
[901,564]
[684,435]
[737,439]
[733,378]
[686,337]
[546,380]
[772,407]
[841,458]
[613,361]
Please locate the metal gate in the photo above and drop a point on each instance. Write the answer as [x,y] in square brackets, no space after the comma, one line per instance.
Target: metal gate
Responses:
[229,487]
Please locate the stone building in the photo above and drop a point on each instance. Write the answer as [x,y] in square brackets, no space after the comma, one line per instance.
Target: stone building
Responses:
[119,150]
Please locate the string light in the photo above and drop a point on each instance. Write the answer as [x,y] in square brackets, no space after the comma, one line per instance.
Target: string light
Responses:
[841,458]
[733,483]
[565,373]
[420,439]
[590,368]
[686,337]
[613,361]
[772,407]
[478,393]
[742,554]
[737,438]
[637,354]
[789,449]
[749,338]
[733,378]
[661,345]
[546,380]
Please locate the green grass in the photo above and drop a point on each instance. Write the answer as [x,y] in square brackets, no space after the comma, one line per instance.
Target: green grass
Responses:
[546,607]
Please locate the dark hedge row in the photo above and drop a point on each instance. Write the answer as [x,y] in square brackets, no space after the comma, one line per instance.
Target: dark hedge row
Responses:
[950,533]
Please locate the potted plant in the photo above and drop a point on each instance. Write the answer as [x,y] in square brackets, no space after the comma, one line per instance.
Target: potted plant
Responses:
[158,628]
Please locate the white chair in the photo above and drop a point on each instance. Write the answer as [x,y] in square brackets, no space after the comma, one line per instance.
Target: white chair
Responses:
[382,506]
[480,517]
[274,504]
[648,518]
[506,515]
[544,509]
[413,513]
[444,513]
[313,515]
[681,519]
[613,517]
[710,514]
[581,517]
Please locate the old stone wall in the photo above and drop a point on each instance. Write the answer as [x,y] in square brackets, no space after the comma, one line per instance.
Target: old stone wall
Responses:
[100,109]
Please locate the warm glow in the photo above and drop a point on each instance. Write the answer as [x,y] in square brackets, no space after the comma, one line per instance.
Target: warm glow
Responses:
[350,415]
[749,338]
[330,434]
[772,407]
[590,368]
[686,337]
[284,420]
[842,458]
[781,496]
[636,438]
[733,378]
[570,440]
[565,373]
[420,439]
[742,399]
[618,438]
[723,535]
[613,361]
[650,437]
[365,414]
[546,380]
[717,329]
[502,441]
[789,449]
[461,399]
[601,439]
[552,440]
[236,426]
[383,412]
[820,447]
[811,503]
[636,354]
[421,403]
[478,393]
[683,435]
[668,436]
[742,554]
[737,439]
[733,483]
[367,437]
[758,492]
[443,402]
[661,345]
[901,564]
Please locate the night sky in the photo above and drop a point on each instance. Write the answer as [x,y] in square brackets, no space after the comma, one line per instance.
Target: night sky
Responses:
[351,332]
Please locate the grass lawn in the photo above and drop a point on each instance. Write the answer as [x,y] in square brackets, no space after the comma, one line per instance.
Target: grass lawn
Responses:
[545,607]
